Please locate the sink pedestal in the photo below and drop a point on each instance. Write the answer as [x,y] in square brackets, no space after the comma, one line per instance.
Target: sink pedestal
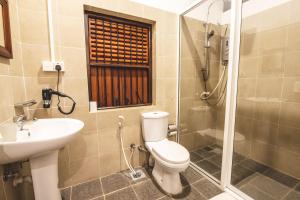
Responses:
[44,173]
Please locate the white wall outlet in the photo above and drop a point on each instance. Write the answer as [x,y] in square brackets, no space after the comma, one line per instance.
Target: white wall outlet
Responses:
[49,66]
[61,63]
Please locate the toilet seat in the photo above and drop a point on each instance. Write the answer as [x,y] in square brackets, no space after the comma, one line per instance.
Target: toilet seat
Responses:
[169,151]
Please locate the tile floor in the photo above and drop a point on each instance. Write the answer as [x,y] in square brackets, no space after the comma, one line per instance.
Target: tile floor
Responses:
[253,178]
[120,187]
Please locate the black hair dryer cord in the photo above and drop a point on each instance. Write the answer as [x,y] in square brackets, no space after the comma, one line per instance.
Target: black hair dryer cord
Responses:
[59,94]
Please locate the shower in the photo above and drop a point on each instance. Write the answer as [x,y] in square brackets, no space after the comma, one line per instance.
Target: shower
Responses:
[209,34]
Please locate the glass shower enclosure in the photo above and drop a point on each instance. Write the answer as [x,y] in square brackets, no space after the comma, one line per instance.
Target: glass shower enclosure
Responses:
[239,96]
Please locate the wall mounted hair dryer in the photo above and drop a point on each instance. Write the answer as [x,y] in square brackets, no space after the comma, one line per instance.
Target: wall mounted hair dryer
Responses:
[48,92]
[47,98]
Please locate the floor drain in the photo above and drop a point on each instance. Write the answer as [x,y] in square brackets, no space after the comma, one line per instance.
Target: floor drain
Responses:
[139,174]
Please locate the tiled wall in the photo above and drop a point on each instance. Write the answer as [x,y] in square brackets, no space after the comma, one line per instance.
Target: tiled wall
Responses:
[96,151]
[195,115]
[269,87]
[12,89]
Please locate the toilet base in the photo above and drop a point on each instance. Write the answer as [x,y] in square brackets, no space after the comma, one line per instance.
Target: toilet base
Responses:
[168,181]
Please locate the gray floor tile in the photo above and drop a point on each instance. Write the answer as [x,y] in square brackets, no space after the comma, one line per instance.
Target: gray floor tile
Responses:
[189,176]
[281,178]
[206,188]
[194,157]
[189,193]
[66,193]
[253,165]
[147,190]
[217,175]
[217,160]
[293,195]
[165,198]
[87,190]
[237,158]
[99,198]
[240,172]
[208,166]
[240,183]
[208,148]
[114,182]
[269,186]
[298,187]
[205,154]
[255,193]
[124,194]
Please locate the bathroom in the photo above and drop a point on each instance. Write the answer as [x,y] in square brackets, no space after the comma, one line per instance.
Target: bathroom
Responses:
[220,78]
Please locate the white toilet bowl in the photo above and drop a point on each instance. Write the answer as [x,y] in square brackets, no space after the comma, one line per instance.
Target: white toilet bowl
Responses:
[170,158]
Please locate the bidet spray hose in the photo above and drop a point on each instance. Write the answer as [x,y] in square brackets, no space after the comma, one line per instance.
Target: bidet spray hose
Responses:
[121,120]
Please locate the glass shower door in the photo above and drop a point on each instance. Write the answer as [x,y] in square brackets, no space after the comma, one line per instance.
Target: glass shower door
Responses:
[203,76]
[266,156]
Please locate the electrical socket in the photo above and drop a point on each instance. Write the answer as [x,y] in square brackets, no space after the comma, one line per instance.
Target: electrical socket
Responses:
[49,66]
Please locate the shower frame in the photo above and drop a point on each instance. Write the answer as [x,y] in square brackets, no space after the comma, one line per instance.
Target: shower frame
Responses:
[231,98]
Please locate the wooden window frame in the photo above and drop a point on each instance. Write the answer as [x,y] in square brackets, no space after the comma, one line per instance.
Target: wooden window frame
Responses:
[122,20]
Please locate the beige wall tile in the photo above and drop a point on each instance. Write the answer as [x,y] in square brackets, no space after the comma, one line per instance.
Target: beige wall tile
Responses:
[289,138]
[84,146]
[34,86]
[291,89]
[267,111]
[268,37]
[264,153]
[77,88]
[33,26]
[246,87]
[265,132]
[272,65]
[33,55]
[293,39]
[290,114]
[288,162]
[269,87]
[292,60]
[248,66]
[83,170]
[67,26]
[16,65]
[89,119]
[75,62]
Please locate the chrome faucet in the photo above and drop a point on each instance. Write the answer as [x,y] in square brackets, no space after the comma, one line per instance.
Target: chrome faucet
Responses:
[21,118]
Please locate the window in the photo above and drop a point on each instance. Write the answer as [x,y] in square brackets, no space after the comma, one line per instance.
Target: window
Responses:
[119,61]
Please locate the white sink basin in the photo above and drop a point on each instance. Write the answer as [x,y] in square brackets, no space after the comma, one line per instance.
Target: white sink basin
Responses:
[42,136]
[40,144]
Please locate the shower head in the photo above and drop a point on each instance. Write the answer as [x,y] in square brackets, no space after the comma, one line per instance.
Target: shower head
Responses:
[210,34]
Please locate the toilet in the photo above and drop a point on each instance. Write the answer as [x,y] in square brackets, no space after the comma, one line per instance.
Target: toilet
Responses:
[170,158]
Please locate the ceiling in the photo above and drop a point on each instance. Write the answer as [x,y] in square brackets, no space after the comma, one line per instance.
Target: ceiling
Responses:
[176,6]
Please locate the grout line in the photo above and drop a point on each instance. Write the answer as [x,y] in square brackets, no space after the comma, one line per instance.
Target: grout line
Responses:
[192,185]
[118,190]
[134,192]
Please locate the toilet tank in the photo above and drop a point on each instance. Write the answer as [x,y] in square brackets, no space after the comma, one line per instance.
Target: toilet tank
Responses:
[154,126]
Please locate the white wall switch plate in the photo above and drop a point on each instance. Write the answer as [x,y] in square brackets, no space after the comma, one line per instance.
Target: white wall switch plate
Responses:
[47,66]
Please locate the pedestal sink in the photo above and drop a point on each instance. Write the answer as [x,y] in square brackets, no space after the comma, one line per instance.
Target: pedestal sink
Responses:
[40,143]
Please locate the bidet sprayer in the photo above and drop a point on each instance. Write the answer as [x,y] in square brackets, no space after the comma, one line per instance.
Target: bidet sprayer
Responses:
[121,121]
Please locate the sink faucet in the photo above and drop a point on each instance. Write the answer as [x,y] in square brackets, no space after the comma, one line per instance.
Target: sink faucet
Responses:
[21,118]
